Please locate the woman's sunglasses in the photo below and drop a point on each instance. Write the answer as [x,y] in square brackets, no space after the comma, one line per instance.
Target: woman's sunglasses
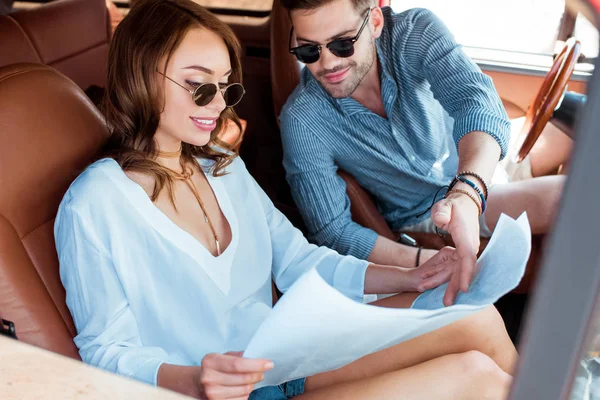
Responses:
[310,53]
[205,92]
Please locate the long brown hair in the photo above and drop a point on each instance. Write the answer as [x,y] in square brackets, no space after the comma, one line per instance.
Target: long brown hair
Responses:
[150,33]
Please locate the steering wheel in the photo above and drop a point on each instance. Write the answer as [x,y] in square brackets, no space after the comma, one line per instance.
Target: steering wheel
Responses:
[540,111]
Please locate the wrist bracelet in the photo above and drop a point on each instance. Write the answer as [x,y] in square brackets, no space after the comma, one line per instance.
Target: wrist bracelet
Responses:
[477,176]
[469,195]
[475,188]
[418,261]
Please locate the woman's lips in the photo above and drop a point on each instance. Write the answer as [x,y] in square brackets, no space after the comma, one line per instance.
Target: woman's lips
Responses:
[337,77]
[205,124]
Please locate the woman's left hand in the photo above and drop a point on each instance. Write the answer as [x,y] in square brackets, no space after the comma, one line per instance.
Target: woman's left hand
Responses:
[436,271]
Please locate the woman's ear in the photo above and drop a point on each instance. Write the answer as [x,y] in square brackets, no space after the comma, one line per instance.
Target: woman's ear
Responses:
[377,22]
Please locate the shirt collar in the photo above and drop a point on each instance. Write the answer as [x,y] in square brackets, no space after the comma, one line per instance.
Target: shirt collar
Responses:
[385,74]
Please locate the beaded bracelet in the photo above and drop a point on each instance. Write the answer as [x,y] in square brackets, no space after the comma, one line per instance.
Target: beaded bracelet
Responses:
[461,178]
[477,176]
[475,188]
[468,194]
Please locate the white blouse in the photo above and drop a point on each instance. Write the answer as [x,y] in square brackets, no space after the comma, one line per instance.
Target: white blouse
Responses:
[142,291]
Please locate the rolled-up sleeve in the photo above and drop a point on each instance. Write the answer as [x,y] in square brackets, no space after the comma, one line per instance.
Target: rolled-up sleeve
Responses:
[465,92]
[320,193]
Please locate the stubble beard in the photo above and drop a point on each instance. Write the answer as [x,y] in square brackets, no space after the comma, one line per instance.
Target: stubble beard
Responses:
[353,79]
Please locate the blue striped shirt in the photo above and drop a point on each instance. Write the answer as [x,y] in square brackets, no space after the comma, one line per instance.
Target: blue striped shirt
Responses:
[433,95]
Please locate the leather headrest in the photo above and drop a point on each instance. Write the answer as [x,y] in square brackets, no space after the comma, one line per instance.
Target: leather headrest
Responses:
[63,28]
[69,35]
[15,47]
[48,128]
[285,69]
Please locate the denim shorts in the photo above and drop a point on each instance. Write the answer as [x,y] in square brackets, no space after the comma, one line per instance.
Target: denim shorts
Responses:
[284,391]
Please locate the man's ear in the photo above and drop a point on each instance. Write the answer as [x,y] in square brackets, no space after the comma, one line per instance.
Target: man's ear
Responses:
[377,22]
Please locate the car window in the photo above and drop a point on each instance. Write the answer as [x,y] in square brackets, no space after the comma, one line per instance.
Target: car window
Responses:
[586,384]
[527,27]
[248,5]
[262,6]
[588,34]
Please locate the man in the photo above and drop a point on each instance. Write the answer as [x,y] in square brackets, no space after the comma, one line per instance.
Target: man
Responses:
[392,100]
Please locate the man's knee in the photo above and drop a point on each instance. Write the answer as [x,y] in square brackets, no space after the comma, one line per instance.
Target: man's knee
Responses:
[554,193]
[548,200]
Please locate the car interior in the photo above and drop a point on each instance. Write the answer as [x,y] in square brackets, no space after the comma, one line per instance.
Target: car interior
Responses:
[52,72]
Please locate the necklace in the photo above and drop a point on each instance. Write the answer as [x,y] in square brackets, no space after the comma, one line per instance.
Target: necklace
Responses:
[169,154]
[186,177]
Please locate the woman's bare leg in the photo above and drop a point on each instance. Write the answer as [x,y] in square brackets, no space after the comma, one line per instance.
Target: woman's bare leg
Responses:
[466,376]
[483,332]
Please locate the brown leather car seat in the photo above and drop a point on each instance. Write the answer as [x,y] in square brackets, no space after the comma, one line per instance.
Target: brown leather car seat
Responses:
[49,132]
[69,35]
[15,46]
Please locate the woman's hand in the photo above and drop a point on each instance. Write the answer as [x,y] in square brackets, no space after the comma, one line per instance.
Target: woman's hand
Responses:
[385,279]
[230,376]
[436,271]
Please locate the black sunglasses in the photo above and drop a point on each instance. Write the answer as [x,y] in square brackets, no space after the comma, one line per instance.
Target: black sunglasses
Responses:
[310,53]
[205,92]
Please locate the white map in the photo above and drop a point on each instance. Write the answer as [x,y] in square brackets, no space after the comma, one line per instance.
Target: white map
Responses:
[314,328]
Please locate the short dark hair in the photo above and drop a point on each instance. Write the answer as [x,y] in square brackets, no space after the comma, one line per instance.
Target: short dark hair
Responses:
[292,5]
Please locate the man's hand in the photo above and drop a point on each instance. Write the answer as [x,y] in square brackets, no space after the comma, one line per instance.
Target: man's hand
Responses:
[458,215]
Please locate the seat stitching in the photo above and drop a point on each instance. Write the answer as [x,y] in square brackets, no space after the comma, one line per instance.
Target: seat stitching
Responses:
[36,229]
[37,51]
[75,54]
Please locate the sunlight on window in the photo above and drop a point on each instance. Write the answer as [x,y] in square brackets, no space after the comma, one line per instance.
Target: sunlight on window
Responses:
[251,5]
[586,384]
[517,25]
[588,35]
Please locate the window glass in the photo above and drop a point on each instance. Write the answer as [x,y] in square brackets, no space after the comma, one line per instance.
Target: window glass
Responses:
[517,25]
[586,385]
[243,5]
[588,35]
[250,5]
[517,32]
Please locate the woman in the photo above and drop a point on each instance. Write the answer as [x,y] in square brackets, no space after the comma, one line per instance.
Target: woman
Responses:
[167,245]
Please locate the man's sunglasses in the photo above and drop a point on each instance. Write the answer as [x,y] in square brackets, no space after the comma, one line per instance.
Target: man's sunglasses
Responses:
[310,53]
[205,92]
